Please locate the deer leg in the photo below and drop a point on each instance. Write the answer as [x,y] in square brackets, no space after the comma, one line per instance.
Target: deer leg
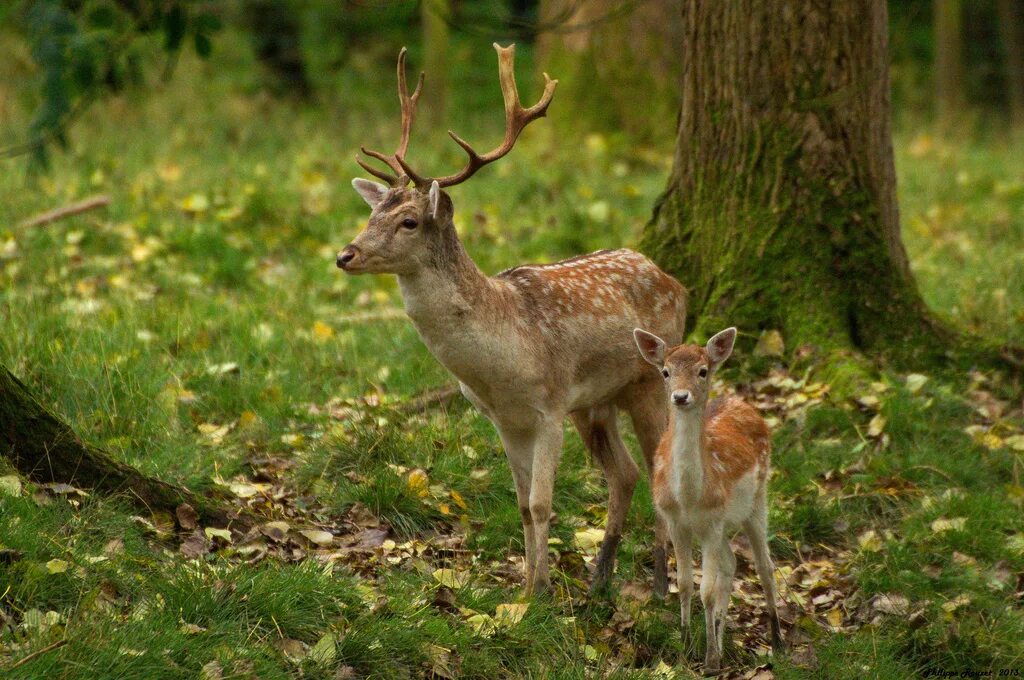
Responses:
[600,432]
[547,450]
[682,539]
[711,566]
[519,446]
[727,564]
[647,407]
[756,529]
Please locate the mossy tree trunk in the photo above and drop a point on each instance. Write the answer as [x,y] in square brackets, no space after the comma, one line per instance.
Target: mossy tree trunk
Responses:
[45,449]
[780,212]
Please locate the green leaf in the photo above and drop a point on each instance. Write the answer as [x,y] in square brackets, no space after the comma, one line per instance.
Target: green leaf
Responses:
[175,22]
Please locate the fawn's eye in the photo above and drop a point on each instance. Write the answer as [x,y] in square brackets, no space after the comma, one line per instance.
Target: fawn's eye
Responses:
[409,223]
[664,372]
[703,372]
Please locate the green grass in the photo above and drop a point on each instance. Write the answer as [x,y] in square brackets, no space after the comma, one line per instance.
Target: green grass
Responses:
[218,248]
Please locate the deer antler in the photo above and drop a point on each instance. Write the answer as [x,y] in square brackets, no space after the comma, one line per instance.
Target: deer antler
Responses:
[516,118]
[408,103]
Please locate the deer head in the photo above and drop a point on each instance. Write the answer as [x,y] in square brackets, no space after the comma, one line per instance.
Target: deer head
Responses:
[412,226]
[687,369]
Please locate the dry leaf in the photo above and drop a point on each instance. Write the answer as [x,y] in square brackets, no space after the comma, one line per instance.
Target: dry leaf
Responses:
[942,524]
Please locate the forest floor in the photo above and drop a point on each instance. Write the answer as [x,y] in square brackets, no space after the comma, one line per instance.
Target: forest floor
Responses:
[199,329]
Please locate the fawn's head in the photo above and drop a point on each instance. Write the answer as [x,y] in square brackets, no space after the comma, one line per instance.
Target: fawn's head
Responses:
[687,369]
[410,227]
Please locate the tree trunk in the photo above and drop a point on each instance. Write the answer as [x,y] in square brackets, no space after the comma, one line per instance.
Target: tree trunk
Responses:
[615,62]
[949,62]
[276,36]
[780,212]
[44,449]
[1011,30]
[434,17]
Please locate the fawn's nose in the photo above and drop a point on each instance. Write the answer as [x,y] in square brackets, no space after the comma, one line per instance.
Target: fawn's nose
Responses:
[681,398]
[345,256]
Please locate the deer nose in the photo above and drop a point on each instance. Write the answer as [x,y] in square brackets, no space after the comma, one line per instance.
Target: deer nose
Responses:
[681,398]
[345,256]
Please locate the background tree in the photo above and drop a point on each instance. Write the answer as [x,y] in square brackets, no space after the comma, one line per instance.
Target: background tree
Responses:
[949,61]
[780,211]
[1011,31]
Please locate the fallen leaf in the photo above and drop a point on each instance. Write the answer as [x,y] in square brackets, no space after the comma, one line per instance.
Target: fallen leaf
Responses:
[195,545]
[589,540]
[325,651]
[915,381]
[876,426]
[212,671]
[770,344]
[942,524]
[321,538]
[321,331]
[10,485]
[957,602]
[276,531]
[188,518]
[892,603]
[56,566]
[869,541]
[508,615]
[450,578]
[224,534]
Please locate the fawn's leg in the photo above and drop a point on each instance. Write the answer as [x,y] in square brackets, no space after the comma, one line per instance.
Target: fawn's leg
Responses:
[682,539]
[756,529]
[546,452]
[648,409]
[727,564]
[519,447]
[711,566]
[600,433]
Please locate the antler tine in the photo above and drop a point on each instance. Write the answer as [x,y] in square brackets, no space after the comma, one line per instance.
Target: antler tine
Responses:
[516,118]
[408,106]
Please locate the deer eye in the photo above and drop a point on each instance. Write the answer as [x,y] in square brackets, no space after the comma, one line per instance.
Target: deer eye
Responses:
[409,223]
[664,372]
[703,372]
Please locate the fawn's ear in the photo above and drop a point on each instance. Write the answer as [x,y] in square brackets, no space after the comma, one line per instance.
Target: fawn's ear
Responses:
[652,348]
[719,347]
[372,192]
[435,198]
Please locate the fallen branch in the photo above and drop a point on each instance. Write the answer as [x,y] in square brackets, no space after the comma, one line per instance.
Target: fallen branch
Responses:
[78,208]
[36,654]
[45,449]
[441,397]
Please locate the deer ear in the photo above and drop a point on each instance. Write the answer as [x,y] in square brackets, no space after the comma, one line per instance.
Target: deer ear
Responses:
[435,198]
[720,345]
[372,192]
[652,348]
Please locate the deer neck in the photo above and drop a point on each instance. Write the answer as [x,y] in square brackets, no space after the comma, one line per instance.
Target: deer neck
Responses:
[445,291]
[687,459]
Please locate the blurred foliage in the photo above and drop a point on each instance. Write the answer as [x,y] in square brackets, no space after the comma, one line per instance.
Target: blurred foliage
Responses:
[82,48]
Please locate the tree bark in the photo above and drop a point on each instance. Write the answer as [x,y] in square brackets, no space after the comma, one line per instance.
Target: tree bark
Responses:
[1011,30]
[45,449]
[434,17]
[780,212]
[949,62]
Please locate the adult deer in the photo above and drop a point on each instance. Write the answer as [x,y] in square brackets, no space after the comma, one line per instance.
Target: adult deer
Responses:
[533,344]
[710,477]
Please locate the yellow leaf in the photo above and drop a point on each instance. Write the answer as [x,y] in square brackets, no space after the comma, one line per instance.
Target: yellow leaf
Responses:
[321,331]
[459,501]
[196,203]
[417,483]
[835,618]
[508,615]
[942,524]
[876,426]
[589,540]
[57,566]
[915,381]
[957,602]
[869,541]
[224,534]
[321,538]
[451,578]
[770,344]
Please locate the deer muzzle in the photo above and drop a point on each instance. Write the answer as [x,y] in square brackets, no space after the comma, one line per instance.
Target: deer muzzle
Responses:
[346,257]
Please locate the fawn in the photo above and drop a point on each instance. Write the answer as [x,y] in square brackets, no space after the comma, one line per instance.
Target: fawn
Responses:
[533,344]
[710,476]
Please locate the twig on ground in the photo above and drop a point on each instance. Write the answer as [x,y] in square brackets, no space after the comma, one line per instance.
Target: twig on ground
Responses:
[82,206]
[441,397]
[39,652]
